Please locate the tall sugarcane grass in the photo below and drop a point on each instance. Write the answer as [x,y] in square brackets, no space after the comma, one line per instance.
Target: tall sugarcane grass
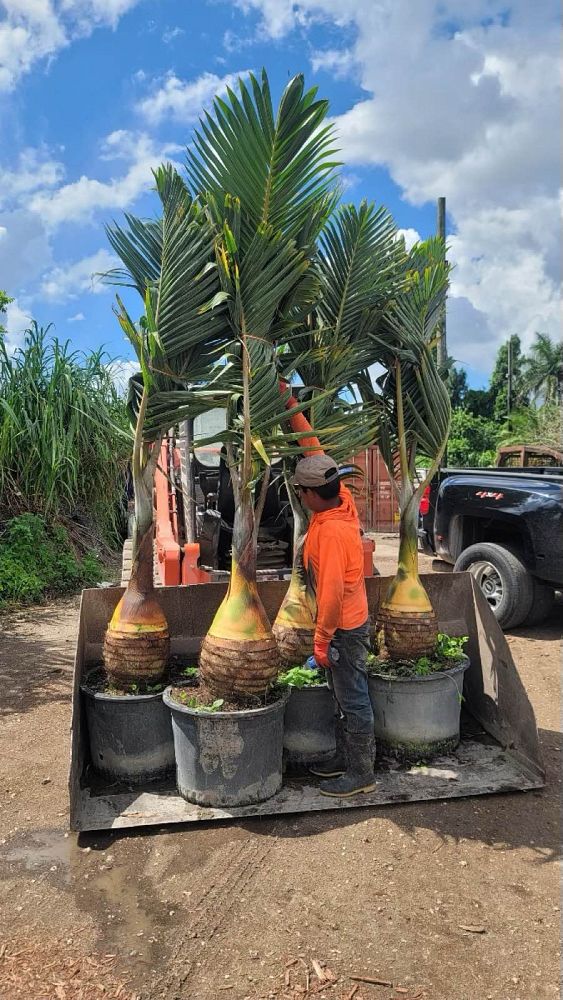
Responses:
[62,453]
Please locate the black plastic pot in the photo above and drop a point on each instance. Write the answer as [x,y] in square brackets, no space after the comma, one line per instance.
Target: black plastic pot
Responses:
[309,726]
[130,735]
[227,758]
[417,718]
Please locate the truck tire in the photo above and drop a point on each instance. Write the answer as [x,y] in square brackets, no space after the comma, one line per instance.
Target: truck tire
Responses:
[543,599]
[503,578]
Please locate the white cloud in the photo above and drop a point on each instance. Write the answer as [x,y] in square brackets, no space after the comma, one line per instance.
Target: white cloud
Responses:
[70,280]
[410,236]
[79,200]
[34,170]
[121,371]
[25,251]
[36,30]
[338,62]
[461,100]
[171,34]
[77,318]
[182,100]
[16,321]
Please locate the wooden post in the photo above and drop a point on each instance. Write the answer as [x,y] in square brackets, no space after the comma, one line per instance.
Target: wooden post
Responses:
[442,349]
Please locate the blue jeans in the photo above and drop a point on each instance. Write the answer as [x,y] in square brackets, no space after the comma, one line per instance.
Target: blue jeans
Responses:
[347,677]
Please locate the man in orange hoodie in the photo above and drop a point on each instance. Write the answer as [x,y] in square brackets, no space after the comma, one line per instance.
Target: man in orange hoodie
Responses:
[333,556]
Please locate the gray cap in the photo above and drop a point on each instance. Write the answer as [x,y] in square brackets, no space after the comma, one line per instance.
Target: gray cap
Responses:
[316,470]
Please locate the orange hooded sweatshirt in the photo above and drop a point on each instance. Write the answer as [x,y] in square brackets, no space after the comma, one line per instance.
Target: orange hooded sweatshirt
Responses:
[334,556]
[333,552]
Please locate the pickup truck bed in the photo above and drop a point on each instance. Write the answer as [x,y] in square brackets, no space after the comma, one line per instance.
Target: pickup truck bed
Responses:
[506,527]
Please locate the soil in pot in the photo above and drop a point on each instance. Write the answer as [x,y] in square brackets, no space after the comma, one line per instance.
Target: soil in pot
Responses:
[309,736]
[417,705]
[129,730]
[228,752]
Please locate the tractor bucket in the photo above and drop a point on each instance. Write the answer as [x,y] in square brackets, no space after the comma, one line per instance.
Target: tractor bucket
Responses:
[499,749]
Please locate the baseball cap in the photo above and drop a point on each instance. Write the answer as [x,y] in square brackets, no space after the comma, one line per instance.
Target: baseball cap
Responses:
[315,470]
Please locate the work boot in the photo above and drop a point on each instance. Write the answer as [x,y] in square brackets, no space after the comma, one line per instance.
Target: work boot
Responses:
[359,776]
[334,765]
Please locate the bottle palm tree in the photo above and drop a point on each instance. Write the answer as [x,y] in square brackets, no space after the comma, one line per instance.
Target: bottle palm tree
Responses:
[267,180]
[170,263]
[413,419]
[543,369]
[358,267]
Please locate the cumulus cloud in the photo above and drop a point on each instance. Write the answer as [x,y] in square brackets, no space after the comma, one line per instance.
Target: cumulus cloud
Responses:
[16,320]
[79,200]
[77,318]
[461,100]
[410,236]
[25,250]
[36,30]
[70,280]
[182,100]
[33,170]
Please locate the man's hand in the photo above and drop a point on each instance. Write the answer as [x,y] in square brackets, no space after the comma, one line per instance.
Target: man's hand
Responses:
[320,652]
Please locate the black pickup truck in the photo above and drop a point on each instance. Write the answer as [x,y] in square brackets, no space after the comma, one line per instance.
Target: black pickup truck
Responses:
[506,527]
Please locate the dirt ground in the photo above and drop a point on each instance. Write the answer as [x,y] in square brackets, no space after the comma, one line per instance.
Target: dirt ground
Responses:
[455,900]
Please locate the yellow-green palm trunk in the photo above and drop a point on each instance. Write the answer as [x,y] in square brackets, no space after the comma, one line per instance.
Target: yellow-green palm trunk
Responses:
[294,627]
[137,642]
[239,654]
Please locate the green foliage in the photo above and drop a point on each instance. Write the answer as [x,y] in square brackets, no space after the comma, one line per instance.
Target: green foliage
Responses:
[62,453]
[531,425]
[498,385]
[37,561]
[190,672]
[300,677]
[447,652]
[543,370]
[472,441]
[192,701]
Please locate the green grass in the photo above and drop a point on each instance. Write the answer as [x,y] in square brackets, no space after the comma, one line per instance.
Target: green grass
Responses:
[63,443]
[39,561]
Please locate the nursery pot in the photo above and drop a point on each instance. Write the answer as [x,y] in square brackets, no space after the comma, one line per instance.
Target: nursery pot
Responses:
[130,735]
[417,718]
[309,725]
[227,758]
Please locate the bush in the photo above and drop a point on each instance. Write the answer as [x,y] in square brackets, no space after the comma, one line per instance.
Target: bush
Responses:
[38,561]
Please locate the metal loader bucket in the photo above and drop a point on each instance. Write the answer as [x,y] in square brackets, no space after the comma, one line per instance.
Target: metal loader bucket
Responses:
[499,750]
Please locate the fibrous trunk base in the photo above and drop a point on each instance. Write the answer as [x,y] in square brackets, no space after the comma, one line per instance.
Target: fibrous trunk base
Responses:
[295,644]
[133,658]
[408,634]
[238,667]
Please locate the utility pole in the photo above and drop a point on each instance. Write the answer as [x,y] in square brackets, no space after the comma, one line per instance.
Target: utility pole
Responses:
[509,381]
[442,348]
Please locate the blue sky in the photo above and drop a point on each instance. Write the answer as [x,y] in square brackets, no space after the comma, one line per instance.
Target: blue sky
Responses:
[429,98]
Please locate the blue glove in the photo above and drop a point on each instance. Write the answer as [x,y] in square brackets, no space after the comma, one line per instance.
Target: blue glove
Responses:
[310,664]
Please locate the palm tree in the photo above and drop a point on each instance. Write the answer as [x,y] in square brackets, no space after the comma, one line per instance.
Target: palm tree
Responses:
[267,180]
[414,418]
[543,369]
[170,263]
[358,266]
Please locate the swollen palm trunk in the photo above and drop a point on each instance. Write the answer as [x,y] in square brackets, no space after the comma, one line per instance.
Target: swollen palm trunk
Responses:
[137,643]
[294,627]
[409,623]
[239,655]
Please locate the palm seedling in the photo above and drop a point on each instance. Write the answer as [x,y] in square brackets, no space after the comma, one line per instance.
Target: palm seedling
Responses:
[170,263]
[413,419]
[358,267]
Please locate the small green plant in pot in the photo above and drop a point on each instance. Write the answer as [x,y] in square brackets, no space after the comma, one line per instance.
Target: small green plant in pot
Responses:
[417,702]
[309,734]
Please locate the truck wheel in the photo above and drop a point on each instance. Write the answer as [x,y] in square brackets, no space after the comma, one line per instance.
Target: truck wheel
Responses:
[543,598]
[503,579]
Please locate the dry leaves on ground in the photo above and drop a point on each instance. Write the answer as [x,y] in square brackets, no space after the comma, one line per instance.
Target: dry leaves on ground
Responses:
[50,970]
